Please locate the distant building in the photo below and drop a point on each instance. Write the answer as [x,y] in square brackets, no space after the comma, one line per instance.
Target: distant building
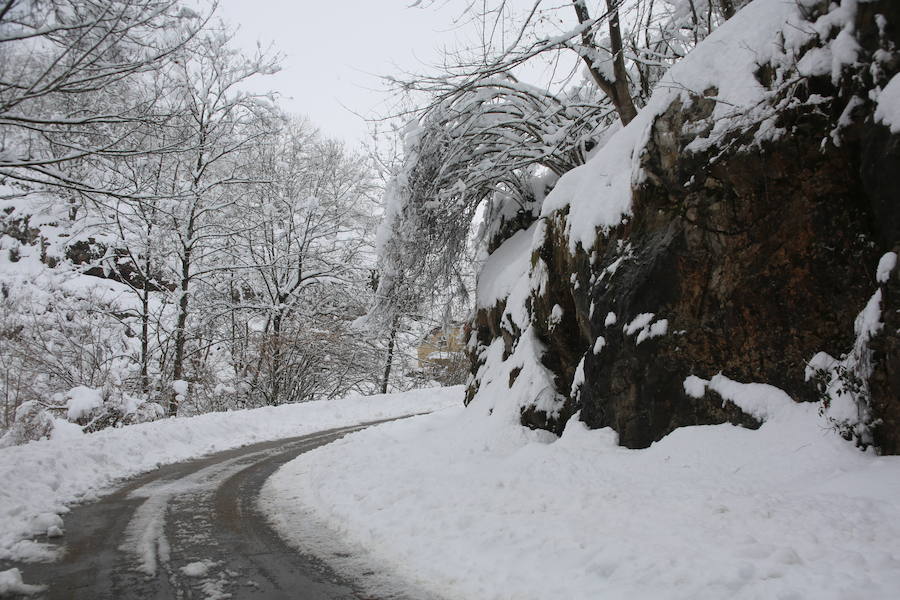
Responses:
[442,352]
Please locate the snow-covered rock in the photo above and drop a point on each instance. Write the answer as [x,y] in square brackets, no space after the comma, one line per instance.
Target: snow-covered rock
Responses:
[730,228]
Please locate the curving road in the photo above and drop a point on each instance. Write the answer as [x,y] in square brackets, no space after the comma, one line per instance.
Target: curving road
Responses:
[191,531]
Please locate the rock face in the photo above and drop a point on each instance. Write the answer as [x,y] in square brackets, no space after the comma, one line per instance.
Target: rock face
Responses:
[884,385]
[745,258]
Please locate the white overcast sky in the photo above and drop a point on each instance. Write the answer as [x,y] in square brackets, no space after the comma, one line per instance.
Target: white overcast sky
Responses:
[334,49]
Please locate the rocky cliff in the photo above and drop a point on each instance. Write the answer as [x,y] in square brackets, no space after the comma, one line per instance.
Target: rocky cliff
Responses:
[741,226]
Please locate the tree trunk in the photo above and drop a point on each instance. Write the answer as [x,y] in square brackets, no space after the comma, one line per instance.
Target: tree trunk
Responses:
[389,360]
[617,90]
[276,369]
[145,341]
[180,327]
[623,101]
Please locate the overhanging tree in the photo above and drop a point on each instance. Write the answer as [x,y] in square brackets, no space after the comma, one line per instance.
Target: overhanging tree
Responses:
[484,142]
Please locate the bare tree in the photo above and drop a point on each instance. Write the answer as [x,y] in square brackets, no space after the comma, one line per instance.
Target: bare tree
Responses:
[493,148]
[218,124]
[64,65]
[305,260]
[613,39]
[234,245]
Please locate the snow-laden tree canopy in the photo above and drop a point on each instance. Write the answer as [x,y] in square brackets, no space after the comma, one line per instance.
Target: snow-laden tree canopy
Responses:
[485,147]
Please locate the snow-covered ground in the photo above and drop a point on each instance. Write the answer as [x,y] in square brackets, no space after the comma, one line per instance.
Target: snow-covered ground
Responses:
[40,479]
[469,505]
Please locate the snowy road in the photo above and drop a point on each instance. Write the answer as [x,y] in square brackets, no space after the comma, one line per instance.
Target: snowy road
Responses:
[190,530]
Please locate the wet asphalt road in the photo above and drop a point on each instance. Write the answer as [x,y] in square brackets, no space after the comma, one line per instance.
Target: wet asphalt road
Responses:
[190,531]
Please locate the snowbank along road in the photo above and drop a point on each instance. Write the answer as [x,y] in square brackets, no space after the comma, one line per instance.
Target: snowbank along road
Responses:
[190,530]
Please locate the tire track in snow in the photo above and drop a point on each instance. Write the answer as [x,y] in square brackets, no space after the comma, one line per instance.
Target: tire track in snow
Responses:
[190,530]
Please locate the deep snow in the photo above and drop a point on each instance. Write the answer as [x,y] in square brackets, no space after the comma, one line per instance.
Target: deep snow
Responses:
[469,506]
[40,479]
